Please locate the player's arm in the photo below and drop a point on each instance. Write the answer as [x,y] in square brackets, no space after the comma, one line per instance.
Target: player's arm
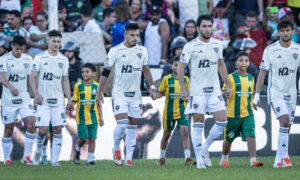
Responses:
[35,37]
[103,78]
[38,99]
[67,90]
[6,83]
[180,71]
[224,75]
[149,80]
[259,84]
[99,107]
[164,31]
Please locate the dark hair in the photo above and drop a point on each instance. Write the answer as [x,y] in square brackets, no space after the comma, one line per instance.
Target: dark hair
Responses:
[25,18]
[122,11]
[61,7]
[86,10]
[131,26]
[54,33]
[45,15]
[3,13]
[251,14]
[204,17]
[15,12]
[188,22]
[90,66]
[175,58]
[107,12]
[241,53]
[130,2]
[19,40]
[285,24]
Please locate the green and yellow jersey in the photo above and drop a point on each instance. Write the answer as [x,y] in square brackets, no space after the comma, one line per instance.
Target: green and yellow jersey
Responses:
[174,106]
[239,105]
[85,96]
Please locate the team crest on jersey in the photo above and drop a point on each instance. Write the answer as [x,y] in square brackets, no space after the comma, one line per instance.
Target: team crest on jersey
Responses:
[250,83]
[195,106]
[117,107]
[278,109]
[139,55]
[60,65]
[39,118]
[94,92]
[1,67]
[141,106]
[231,135]
[26,65]
[295,56]
[5,118]
[63,115]
[216,50]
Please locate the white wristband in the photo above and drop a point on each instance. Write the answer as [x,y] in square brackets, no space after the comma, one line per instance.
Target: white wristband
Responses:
[256,98]
[152,87]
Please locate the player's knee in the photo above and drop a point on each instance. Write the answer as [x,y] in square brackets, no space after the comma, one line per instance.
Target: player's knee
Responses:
[166,135]
[198,118]
[57,129]
[31,128]
[284,121]
[8,131]
[92,140]
[184,132]
[43,131]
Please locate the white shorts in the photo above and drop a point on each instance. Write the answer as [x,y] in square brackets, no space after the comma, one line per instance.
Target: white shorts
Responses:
[54,114]
[133,108]
[205,104]
[9,114]
[282,108]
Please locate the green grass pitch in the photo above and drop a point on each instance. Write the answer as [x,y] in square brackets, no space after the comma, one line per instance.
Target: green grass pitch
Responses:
[146,169]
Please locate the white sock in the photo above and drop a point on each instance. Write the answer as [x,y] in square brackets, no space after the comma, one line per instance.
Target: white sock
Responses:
[56,147]
[215,132]
[197,140]
[130,141]
[119,132]
[225,157]
[283,142]
[44,148]
[187,153]
[162,153]
[6,145]
[77,148]
[39,143]
[29,140]
[90,157]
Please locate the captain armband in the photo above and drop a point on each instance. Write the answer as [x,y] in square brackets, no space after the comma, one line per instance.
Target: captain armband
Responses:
[105,72]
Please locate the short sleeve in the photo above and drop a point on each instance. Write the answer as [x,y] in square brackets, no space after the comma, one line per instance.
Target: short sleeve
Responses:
[66,69]
[33,30]
[36,64]
[265,62]
[185,55]
[75,93]
[3,65]
[29,65]
[163,86]
[252,86]
[220,52]
[110,60]
[145,58]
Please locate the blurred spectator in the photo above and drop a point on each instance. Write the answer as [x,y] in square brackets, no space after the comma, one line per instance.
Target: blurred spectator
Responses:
[109,18]
[163,9]
[27,23]
[295,6]
[123,16]
[10,5]
[190,30]
[38,34]
[89,24]
[61,27]
[221,7]
[62,16]
[71,50]
[98,10]
[26,8]
[157,35]
[37,7]
[273,3]
[73,8]
[14,28]
[259,36]
[3,47]
[136,10]
[205,7]
[286,14]
[3,16]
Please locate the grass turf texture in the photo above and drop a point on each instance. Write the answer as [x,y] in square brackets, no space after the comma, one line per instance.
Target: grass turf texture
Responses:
[147,169]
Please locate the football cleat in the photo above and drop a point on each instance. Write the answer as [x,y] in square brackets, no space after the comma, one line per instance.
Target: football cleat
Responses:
[277,165]
[36,158]
[257,163]
[117,158]
[26,160]
[224,163]
[287,163]
[161,162]
[91,163]
[128,163]
[44,160]
[189,162]
[7,162]
[55,164]
[206,159]
[76,157]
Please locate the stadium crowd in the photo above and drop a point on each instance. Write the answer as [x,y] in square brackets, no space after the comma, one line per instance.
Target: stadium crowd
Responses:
[165,26]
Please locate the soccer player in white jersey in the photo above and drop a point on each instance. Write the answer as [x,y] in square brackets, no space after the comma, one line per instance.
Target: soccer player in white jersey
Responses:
[128,60]
[49,81]
[281,59]
[204,56]
[14,74]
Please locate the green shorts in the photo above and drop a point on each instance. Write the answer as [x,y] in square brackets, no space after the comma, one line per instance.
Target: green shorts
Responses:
[244,127]
[169,124]
[87,131]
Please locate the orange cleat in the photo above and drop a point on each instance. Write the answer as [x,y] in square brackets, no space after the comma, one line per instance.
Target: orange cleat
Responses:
[128,163]
[286,163]
[224,163]
[7,162]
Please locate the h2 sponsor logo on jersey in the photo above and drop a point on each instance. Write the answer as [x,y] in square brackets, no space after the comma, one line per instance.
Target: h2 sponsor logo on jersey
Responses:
[50,77]
[15,78]
[129,69]
[205,63]
[284,71]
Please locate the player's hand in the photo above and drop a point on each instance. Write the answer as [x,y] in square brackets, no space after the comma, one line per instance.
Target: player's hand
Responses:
[70,105]
[38,99]
[185,95]
[227,92]
[256,101]
[99,99]
[153,94]
[101,122]
[14,91]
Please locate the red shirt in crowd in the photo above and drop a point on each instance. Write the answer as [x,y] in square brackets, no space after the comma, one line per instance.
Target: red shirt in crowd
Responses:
[37,7]
[259,36]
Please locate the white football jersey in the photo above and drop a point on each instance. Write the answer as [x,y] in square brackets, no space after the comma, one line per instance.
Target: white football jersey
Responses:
[127,64]
[51,70]
[282,64]
[203,59]
[17,71]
